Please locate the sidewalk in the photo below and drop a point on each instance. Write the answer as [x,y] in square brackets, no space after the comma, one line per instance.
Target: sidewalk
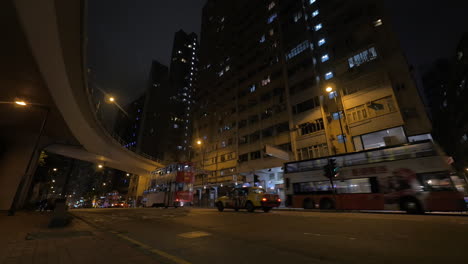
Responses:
[25,238]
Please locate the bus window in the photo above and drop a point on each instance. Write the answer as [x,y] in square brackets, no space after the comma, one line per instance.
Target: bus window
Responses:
[179,187]
[304,187]
[436,181]
[354,186]
[323,186]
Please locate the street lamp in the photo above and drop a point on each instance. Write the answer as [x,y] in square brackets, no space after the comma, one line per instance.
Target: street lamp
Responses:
[100,166]
[111,99]
[54,169]
[202,163]
[330,90]
[19,190]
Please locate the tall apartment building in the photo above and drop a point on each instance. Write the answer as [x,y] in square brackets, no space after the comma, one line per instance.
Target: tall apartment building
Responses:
[445,86]
[128,122]
[182,81]
[309,77]
[155,138]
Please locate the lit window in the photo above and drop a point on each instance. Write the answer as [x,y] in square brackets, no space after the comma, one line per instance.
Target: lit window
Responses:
[321,42]
[362,57]
[176,126]
[266,81]
[252,88]
[318,27]
[272,18]
[332,95]
[329,75]
[298,49]
[337,115]
[262,39]
[183,60]
[325,58]
[315,13]
[180,52]
[271,5]
[341,138]
[312,1]
[297,16]
[228,68]
[378,23]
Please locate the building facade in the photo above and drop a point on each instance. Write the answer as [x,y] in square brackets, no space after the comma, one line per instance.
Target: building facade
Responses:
[182,81]
[154,135]
[128,123]
[445,86]
[295,80]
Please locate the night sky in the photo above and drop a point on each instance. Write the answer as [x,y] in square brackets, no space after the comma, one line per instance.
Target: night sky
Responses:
[125,36]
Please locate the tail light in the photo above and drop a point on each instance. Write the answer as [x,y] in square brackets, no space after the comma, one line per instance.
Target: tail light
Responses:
[264,199]
[177,199]
[279,200]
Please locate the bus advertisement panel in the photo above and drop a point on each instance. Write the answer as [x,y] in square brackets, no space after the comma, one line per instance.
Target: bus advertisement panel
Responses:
[413,177]
[170,186]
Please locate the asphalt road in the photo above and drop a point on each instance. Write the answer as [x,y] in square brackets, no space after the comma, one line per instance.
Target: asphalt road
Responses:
[207,236]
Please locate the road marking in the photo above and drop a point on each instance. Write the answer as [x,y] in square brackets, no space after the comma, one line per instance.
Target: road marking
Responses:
[169,256]
[194,234]
[154,251]
[133,241]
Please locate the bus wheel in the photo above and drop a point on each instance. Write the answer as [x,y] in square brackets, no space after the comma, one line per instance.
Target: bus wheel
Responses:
[250,207]
[308,203]
[266,209]
[326,204]
[411,206]
[236,209]
[220,206]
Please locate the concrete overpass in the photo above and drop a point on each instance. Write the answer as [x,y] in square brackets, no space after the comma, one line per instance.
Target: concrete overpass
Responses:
[45,54]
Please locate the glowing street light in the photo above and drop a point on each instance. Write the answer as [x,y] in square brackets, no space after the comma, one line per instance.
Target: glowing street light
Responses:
[329,89]
[111,99]
[128,174]
[199,142]
[100,166]
[21,102]
[104,184]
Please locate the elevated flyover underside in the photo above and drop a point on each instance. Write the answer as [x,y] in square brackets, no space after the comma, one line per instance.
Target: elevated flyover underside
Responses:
[55,31]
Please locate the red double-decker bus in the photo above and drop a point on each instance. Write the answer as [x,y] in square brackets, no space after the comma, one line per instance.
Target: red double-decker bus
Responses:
[170,186]
[414,177]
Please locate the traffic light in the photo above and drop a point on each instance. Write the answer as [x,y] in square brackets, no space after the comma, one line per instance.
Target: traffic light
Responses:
[331,169]
[327,171]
